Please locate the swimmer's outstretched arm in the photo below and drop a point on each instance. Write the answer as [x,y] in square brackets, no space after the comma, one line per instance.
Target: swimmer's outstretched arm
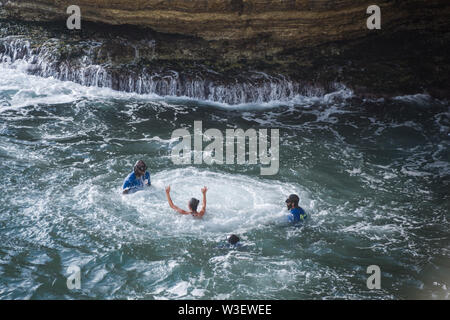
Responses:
[202,212]
[171,203]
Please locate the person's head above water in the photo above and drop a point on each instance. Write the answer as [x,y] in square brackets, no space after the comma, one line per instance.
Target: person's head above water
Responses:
[139,168]
[193,204]
[292,201]
[233,239]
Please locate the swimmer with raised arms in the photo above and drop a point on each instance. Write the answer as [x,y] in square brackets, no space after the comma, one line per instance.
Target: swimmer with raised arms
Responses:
[192,204]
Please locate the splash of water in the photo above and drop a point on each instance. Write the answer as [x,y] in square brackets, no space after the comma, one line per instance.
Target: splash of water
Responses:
[50,60]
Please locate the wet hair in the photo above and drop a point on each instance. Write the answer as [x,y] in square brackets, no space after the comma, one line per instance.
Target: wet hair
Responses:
[139,165]
[233,239]
[193,204]
[293,199]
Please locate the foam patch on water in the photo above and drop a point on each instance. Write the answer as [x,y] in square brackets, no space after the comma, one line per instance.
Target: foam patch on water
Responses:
[234,203]
[342,93]
[420,98]
[49,91]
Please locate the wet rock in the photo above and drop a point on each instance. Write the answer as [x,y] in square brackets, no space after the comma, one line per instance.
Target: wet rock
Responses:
[137,59]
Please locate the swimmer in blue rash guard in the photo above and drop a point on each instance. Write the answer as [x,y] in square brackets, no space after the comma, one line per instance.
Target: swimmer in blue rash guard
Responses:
[297,213]
[137,179]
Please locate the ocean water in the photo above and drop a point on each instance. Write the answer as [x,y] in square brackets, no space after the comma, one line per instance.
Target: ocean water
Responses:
[372,175]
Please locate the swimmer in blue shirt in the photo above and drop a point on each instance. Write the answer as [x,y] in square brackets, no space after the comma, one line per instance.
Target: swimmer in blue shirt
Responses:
[137,179]
[297,213]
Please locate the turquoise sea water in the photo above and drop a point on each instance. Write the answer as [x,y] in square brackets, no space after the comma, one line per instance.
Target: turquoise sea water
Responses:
[373,176]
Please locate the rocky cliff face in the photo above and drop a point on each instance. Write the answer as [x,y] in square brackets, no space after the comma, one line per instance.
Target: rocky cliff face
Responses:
[234,51]
[299,22]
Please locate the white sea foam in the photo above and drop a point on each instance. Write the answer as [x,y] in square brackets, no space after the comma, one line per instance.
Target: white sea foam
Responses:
[419,98]
[234,203]
[81,206]
[50,91]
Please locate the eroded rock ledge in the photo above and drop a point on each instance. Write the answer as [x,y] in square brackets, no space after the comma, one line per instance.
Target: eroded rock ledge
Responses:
[299,22]
[244,51]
